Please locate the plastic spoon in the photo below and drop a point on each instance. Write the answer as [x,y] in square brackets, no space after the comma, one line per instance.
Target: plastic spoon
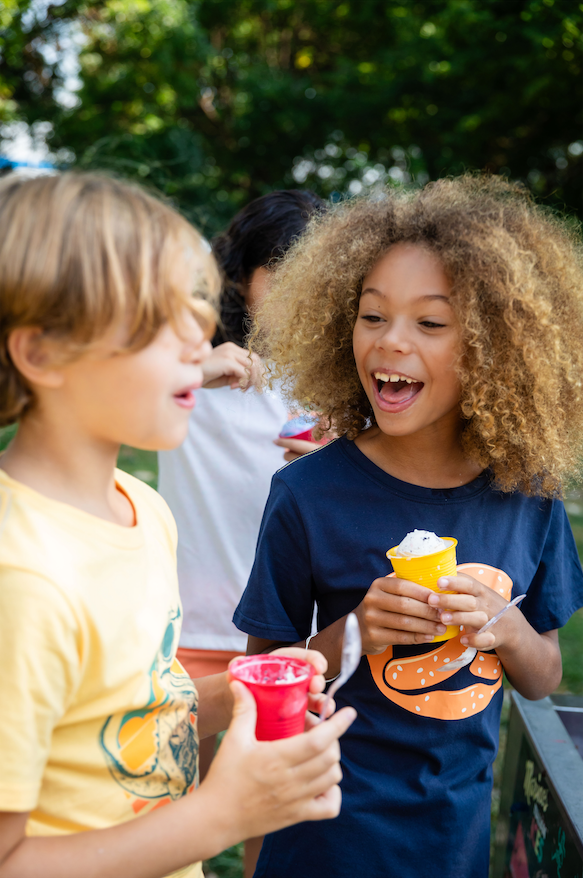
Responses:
[351,654]
[468,654]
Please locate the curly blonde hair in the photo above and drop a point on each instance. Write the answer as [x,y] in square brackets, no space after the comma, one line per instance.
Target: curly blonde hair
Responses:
[517,291]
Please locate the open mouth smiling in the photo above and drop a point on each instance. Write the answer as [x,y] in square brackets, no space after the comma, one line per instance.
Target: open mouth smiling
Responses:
[395,391]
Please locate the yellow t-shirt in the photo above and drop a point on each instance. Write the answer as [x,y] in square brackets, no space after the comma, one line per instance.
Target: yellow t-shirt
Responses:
[97,717]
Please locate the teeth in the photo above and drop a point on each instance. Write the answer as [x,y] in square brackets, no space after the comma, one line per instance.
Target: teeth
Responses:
[393,377]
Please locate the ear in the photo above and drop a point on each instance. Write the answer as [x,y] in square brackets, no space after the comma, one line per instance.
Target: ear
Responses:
[35,357]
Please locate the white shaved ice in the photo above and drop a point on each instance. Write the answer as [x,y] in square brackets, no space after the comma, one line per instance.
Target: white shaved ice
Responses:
[420,542]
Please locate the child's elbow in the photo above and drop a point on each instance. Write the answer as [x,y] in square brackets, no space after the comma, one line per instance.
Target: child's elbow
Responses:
[536,686]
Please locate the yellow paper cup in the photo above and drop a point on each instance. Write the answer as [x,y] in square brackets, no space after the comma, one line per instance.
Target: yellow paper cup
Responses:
[426,570]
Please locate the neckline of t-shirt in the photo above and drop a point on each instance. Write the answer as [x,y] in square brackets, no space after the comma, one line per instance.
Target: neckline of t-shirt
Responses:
[116,534]
[406,489]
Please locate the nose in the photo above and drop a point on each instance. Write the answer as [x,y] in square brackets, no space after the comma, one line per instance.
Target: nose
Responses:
[196,349]
[395,338]
[202,352]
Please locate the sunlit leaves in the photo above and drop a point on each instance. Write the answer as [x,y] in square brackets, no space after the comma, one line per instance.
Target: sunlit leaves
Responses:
[217,101]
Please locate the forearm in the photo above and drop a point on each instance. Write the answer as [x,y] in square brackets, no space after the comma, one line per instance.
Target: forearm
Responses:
[532,661]
[152,846]
[215,704]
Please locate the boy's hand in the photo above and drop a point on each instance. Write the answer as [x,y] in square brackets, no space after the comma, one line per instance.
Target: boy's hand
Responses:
[231,365]
[262,786]
[396,611]
[472,606]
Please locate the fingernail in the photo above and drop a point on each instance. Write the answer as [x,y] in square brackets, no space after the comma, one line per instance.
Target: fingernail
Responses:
[441,629]
[446,617]
[443,582]
[464,640]
[428,638]
[433,600]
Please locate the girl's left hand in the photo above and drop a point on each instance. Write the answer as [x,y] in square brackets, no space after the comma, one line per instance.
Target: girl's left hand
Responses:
[472,605]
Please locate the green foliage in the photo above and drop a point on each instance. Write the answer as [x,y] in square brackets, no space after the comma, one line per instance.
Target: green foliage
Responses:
[218,101]
[571,640]
[228,864]
[139,463]
[6,435]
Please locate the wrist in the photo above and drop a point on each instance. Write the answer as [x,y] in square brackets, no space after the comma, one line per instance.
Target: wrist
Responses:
[214,824]
[510,632]
[228,700]
[310,638]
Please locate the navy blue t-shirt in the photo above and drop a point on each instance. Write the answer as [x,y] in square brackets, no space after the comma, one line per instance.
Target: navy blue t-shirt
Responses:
[417,762]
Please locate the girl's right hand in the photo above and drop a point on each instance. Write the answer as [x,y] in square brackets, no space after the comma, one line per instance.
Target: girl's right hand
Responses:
[262,786]
[228,364]
[395,611]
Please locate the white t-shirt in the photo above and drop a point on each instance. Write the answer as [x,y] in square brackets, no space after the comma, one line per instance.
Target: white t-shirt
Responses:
[216,485]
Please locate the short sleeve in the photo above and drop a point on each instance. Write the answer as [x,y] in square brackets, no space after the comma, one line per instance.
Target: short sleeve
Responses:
[39,658]
[556,590]
[278,601]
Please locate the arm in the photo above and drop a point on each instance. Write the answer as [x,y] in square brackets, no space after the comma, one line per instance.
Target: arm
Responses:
[532,661]
[392,611]
[296,447]
[252,788]
[231,365]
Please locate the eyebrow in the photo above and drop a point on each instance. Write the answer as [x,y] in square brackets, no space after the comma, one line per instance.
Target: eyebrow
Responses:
[421,298]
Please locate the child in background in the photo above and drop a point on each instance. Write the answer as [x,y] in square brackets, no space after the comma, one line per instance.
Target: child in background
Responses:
[217,482]
[103,337]
[439,332]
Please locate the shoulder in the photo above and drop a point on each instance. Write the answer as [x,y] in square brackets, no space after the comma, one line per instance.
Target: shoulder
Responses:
[137,488]
[547,511]
[316,466]
[35,611]
[149,504]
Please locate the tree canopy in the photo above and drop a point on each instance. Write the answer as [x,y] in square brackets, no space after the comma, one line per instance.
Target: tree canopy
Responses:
[218,101]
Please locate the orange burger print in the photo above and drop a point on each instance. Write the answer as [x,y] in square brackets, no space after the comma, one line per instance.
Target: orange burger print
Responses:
[416,683]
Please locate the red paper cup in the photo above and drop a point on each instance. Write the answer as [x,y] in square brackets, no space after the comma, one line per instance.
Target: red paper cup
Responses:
[280,687]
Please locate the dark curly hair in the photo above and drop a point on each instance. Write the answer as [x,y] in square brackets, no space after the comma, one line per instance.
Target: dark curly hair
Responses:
[516,272]
[257,236]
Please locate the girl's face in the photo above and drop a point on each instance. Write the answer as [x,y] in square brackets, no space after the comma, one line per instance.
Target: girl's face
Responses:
[406,342]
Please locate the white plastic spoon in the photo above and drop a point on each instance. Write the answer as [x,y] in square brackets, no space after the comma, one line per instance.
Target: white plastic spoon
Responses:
[351,655]
[468,654]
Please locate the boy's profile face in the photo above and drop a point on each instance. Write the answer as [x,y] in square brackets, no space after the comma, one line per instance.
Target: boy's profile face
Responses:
[406,342]
[143,398]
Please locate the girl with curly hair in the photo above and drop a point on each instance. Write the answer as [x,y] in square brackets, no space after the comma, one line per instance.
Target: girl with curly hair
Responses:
[438,332]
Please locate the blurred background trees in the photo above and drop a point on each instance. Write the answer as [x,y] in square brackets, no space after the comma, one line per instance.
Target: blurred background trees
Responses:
[218,101]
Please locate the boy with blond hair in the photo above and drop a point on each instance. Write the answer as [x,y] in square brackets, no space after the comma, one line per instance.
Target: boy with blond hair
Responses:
[104,327]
